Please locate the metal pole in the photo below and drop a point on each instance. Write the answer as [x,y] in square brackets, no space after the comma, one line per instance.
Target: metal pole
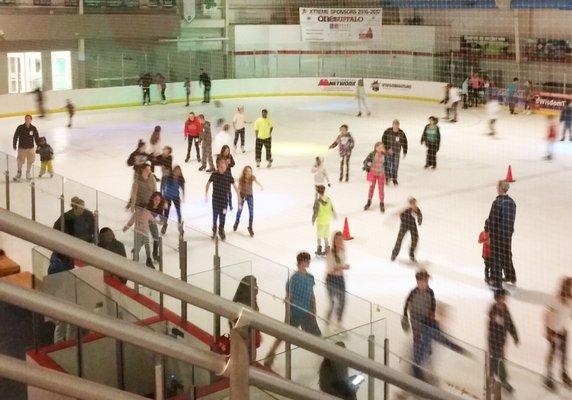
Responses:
[239,362]
[136,249]
[35,331]
[122,70]
[96,227]
[216,289]
[386,363]
[287,345]
[161,299]
[371,379]
[120,364]
[33,198]
[168,66]
[251,332]
[62,213]
[97,69]
[7,180]
[159,378]
[79,352]
[183,268]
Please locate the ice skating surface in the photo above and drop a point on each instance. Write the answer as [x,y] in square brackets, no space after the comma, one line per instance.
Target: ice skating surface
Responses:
[455,198]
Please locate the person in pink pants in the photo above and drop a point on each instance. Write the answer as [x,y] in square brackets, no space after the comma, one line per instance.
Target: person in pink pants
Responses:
[374,166]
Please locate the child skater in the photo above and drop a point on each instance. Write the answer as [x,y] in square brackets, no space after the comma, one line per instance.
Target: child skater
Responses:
[345,143]
[374,166]
[142,218]
[408,224]
[335,281]
[432,139]
[46,157]
[322,217]
[172,187]
[229,159]
[321,177]
[246,194]
[70,108]
[485,240]
[551,136]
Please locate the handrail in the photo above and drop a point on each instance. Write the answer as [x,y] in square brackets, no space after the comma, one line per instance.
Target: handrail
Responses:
[117,265]
[59,382]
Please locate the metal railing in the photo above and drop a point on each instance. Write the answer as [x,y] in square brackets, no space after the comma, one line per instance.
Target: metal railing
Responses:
[117,265]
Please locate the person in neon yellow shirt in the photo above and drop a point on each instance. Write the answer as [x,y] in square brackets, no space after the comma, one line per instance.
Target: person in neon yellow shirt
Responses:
[263,127]
[322,217]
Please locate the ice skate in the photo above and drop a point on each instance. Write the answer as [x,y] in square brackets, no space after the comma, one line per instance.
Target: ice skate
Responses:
[28,176]
[149,263]
[368,114]
[319,251]
[507,386]
[359,114]
[41,174]
[242,149]
[213,234]
[257,164]
[269,164]
[235,226]
[367,205]
[202,168]
[326,250]
[395,182]
[250,231]
[413,259]
[17,177]
[221,234]
[164,229]
[382,207]
[549,384]
[156,256]
[51,174]
[566,380]
[347,178]
[393,257]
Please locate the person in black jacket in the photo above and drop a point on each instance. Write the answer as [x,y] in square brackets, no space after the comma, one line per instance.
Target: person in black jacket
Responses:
[78,221]
[394,140]
[25,136]
[145,83]
[205,80]
[408,224]
[334,379]
[106,240]
[500,325]
[501,227]
[46,157]
[431,137]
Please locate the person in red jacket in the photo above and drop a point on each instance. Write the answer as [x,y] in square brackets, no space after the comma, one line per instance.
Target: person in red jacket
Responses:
[484,239]
[193,129]
[550,137]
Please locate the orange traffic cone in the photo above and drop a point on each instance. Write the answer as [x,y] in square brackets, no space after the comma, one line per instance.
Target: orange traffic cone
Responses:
[346,233]
[509,177]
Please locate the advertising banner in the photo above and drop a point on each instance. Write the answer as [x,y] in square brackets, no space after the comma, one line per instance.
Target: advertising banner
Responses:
[550,101]
[337,84]
[340,24]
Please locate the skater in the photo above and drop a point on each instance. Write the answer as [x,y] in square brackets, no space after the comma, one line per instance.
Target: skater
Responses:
[187,86]
[78,222]
[408,224]
[156,206]
[205,81]
[145,82]
[46,157]
[40,102]
[431,138]
[172,187]
[394,140]
[139,156]
[263,128]
[556,318]
[106,240]
[550,136]
[373,165]
[335,281]
[206,145]
[322,217]
[492,110]
[445,100]
[334,379]
[70,108]
[144,185]
[361,97]
[301,301]
[25,136]
[419,314]
[452,104]
[321,177]
[221,140]
[501,227]
[345,143]
[465,93]
[162,86]
[475,84]
[165,160]
[222,183]
[229,159]
[500,325]
[142,218]
[155,148]
[485,240]
[239,123]
[512,95]
[527,97]
[246,195]
[193,129]
[566,119]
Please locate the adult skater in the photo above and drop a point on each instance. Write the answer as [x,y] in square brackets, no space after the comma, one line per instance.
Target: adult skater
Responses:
[566,119]
[139,156]
[527,97]
[239,125]
[394,140]
[475,84]
[246,191]
[431,138]
[445,100]
[193,129]
[556,317]
[361,97]
[187,86]
[501,227]
[550,136]
[145,82]
[226,156]
[465,93]
[263,128]
[70,108]
[500,325]
[408,224]
[222,183]
[453,103]
[155,148]
[144,185]
[162,86]
[512,95]
[345,144]
[172,189]
[301,301]
[205,81]
[206,145]
[335,281]
[25,136]
[373,166]
[322,215]
[492,109]
[40,102]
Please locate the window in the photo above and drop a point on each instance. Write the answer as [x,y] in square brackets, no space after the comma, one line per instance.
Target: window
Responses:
[24,72]
[61,70]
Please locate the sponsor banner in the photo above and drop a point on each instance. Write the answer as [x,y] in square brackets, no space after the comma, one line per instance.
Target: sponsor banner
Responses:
[383,85]
[340,24]
[550,101]
[337,84]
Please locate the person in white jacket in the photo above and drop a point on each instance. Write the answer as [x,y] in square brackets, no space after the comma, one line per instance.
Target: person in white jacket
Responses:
[493,111]
[221,139]
[361,97]
[321,177]
[453,104]
[239,124]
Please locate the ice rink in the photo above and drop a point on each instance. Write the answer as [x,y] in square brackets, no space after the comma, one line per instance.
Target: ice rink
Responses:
[455,198]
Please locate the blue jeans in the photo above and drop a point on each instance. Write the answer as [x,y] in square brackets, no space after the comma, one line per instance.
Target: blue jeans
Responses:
[567,128]
[250,201]
[219,216]
[391,166]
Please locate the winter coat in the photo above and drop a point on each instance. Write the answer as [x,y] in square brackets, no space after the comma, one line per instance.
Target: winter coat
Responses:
[395,141]
[434,140]
[345,143]
[566,116]
[370,159]
[500,325]
[45,151]
[171,187]
[502,216]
